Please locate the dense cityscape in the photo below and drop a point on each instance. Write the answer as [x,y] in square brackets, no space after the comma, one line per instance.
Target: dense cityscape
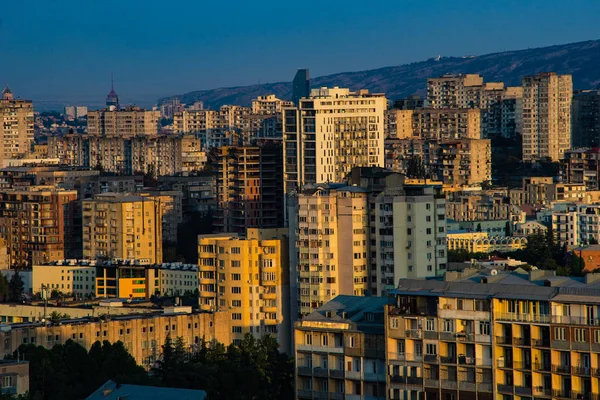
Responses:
[337,244]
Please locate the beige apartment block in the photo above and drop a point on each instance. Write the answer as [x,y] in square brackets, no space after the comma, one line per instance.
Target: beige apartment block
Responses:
[329,225]
[249,276]
[546,116]
[453,91]
[171,205]
[37,223]
[544,191]
[438,124]
[16,126]
[455,163]
[332,131]
[79,279]
[124,122]
[123,226]
[142,335]
[462,162]
[269,104]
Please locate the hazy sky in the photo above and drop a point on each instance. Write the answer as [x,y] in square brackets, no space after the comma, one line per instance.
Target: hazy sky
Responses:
[65,50]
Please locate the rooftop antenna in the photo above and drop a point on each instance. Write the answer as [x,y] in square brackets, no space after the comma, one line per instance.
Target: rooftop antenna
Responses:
[112,82]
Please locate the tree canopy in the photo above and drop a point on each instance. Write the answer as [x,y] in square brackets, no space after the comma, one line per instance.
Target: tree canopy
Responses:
[69,371]
[253,370]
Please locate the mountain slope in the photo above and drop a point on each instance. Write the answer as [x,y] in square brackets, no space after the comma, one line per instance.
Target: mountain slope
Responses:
[580,59]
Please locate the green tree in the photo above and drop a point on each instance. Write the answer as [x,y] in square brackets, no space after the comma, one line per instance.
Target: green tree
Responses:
[479,227]
[507,229]
[16,288]
[4,289]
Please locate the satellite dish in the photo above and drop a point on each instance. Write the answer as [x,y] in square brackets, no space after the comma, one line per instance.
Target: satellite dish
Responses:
[494,272]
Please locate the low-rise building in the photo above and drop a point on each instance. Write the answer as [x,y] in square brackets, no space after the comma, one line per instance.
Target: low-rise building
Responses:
[142,335]
[480,242]
[14,376]
[340,350]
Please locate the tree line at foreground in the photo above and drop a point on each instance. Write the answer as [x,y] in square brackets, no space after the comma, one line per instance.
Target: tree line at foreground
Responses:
[254,369]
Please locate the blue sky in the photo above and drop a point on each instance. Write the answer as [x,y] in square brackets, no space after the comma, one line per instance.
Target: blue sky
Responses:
[65,50]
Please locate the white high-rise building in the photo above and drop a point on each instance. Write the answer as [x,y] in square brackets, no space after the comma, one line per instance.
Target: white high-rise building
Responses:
[546,116]
[329,133]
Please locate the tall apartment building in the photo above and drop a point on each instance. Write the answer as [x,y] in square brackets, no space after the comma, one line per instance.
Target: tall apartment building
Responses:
[228,117]
[407,229]
[249,276]
[16,126]
[489,335]
[546,116]
[269,104]
[171,204]
[458,163]
[340,350]
[38,224]
[582,166]
[194,121]
[249,184]
[329,228]
[122,226]
[437,124]
[542,190]
[454,91]
[585,119]
[146,154]
[469,91]
[482,205]
[124,122]
[512,113]
[577,224]
[329,133]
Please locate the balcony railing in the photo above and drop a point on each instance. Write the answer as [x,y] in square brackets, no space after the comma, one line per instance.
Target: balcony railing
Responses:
[503,363]
[544,342]
[561,369]
[521,341]
[464,385]
[484,387]
[542,391]
[543,367]
[431,382]
[446,384]
[430,358]
[505,388]
[407,380]
[539,318]
[585,371]
[569,320]
[448,359]
[521,365]
[504,339]
[413,333]
[523,390]
[464,360]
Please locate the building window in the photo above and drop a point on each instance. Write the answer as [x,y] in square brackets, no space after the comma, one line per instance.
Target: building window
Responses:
[449,325]
[308,339]
[581,335]
[560,334]
[431,349]
[484,328]
[430,324]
